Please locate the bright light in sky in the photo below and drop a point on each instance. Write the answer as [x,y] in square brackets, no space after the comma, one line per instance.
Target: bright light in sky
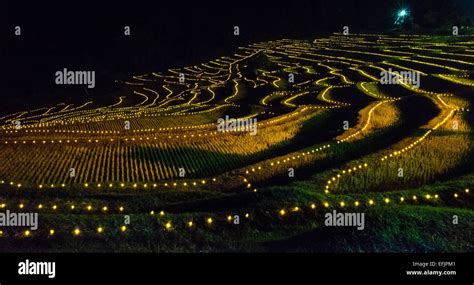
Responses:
[402,16]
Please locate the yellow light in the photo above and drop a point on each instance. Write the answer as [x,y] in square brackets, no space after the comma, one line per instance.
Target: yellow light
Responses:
[104,208]
[466,190]
[77,232]
[247,215]
[55,207]
[121,209]
[229,218]
[428,196]
[21,206]
[371,202]
[386,200]
[51,232]
[436,196]
[456,195]
[89,208]
[282,212]
[326,204]
[40,206]
[100,230]
[152,213]
[190,224]
[402,199]
[168,225]
[414,198]
[296,209]
[203,181]
[356,203]
[86,185]
[342,203]
[313,206]
[123,228]
[209,221]
[162,213]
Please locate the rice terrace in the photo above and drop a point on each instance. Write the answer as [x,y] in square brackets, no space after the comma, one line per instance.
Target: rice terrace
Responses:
[250,151]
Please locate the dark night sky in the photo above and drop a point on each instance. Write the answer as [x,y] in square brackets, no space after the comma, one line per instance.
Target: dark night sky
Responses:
[175,31]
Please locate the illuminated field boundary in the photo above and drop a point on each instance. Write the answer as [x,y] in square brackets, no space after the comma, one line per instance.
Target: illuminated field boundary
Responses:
[438,100]
[166,221]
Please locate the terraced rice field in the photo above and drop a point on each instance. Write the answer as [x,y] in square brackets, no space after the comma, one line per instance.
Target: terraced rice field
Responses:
[149,171]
